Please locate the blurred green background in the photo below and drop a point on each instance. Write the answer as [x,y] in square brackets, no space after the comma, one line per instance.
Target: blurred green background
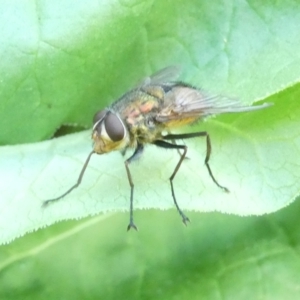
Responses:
[63,60]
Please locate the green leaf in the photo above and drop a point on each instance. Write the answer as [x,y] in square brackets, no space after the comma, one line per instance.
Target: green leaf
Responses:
[217,256]
[63,61]
[258,164]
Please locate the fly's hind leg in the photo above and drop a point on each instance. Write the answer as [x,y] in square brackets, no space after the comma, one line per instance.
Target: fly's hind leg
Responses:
[178,150]
[173,138]
[208,150]
[163,144]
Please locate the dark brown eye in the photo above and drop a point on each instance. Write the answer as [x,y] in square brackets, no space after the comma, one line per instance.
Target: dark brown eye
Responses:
[99,115]
[114,127]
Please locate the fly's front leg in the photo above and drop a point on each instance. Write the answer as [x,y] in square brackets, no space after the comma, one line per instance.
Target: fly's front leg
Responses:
[74,186]
[167,145]
[208,150]
[137,153]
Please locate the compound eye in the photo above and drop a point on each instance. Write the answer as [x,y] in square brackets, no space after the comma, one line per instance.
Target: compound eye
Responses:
[99,115]
[114,127]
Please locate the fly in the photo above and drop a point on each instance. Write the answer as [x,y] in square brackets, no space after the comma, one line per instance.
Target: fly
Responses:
[143,116]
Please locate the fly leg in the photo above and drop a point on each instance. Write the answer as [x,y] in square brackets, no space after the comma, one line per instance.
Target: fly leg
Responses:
[174,143]
[178,150]
[208,151]
[137,153]
[167,145]
[74,186]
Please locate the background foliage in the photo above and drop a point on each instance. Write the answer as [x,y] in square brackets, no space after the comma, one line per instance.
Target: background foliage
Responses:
[64,60]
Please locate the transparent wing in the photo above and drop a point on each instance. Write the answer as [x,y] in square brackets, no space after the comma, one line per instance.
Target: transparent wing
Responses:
[187,102]
[167,74]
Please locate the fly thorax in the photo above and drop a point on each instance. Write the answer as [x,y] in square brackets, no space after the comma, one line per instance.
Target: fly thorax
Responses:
[145,131]
[109,132]
[150,122]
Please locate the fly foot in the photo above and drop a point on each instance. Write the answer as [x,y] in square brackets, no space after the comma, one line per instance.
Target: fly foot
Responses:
[185,219]
[131,225]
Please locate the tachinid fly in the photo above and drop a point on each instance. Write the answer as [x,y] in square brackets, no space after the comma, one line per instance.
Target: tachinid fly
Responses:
[147,114]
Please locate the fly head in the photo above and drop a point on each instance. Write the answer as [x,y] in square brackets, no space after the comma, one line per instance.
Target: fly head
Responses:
[109,132]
